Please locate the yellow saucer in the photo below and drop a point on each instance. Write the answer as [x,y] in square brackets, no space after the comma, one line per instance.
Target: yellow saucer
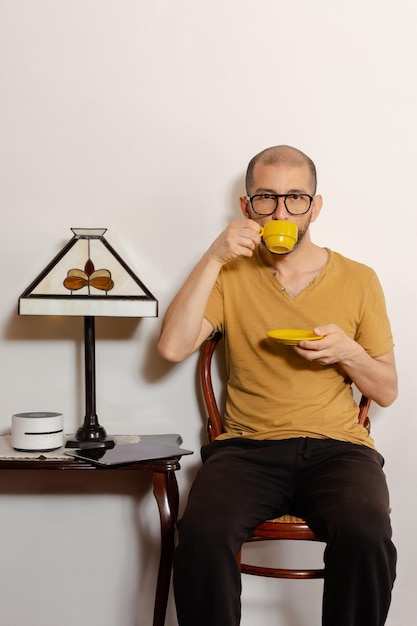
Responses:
[291,337]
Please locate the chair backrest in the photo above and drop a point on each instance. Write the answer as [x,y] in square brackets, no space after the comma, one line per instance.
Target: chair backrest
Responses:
[214,418]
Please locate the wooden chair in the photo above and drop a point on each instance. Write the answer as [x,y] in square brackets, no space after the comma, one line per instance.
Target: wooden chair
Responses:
[285,527]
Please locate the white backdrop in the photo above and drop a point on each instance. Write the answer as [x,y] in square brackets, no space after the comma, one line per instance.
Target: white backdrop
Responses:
[141,117]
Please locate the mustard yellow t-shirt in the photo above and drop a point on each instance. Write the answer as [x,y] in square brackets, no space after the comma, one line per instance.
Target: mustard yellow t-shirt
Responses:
[272,393]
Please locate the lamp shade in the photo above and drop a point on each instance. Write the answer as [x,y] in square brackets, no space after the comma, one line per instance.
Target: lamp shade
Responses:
[88,278]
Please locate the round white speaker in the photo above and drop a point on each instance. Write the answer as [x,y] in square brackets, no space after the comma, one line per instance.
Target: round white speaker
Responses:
[37,432]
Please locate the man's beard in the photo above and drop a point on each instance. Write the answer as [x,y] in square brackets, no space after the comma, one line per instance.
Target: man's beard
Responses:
[302,232]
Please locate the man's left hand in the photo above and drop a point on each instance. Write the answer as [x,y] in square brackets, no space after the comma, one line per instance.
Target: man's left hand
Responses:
[335,346]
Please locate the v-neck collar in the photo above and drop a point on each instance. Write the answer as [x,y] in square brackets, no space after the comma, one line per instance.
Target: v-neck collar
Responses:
[271,275]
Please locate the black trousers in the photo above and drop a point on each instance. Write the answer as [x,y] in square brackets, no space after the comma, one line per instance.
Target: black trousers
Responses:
[338,487]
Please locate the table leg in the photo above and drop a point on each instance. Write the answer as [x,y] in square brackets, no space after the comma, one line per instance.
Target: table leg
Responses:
[165,490]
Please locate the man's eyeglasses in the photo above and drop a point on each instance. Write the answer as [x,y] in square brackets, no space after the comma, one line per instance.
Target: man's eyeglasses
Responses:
[266,203]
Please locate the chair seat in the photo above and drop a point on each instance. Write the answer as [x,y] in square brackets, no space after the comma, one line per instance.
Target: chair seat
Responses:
[284,527]
[288,519]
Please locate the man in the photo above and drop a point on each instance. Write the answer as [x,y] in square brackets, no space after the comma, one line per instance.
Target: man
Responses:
[292,443]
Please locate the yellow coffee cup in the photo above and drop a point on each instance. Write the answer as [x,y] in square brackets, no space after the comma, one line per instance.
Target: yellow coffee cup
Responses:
[279,236]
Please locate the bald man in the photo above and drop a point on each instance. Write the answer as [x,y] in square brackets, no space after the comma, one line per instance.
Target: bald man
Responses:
[291,441]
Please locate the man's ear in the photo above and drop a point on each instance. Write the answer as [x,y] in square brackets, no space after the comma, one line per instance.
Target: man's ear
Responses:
[245,206]
[316,207]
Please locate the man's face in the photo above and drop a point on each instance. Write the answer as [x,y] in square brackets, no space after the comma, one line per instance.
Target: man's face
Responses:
[282,179]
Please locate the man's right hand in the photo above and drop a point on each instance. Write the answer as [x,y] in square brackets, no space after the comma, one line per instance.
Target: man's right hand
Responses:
[240,238]
[184,327]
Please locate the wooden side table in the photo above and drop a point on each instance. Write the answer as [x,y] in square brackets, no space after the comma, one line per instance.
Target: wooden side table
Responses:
[165,490]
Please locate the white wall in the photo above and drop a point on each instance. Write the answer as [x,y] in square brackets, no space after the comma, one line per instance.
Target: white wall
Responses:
[141,117]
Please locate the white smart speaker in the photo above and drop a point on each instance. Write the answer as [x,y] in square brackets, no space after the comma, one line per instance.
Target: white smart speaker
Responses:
[37,432]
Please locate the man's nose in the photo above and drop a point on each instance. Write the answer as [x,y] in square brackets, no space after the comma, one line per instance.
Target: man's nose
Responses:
[280,212]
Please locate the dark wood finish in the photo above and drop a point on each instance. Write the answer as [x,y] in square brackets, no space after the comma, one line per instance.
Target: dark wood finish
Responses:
[165,490]
[285,527]
[90,430]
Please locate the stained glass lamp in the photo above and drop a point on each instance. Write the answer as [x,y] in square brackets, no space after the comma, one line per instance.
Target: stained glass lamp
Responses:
[89,279]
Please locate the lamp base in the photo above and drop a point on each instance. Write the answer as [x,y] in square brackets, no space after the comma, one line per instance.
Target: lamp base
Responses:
[73,442]
[90,435]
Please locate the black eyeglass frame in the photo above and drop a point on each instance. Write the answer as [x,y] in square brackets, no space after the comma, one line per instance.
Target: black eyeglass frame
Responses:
[276,196]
